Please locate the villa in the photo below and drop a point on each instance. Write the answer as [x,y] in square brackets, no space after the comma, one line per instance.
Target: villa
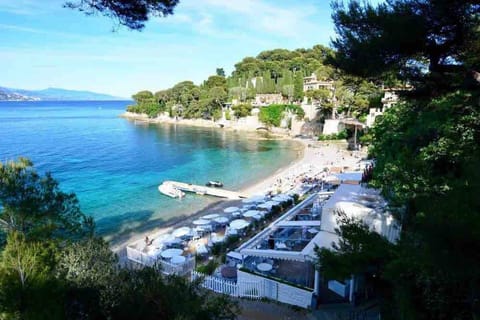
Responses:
[313,83]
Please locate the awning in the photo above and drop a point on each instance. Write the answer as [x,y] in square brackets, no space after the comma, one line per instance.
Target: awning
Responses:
[235,255]
[274,254]
[300,223]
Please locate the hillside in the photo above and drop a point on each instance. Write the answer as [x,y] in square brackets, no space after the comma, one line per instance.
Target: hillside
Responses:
[11,94]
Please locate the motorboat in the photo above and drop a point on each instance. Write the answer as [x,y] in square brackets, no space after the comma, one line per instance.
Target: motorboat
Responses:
[212,183]
[169,190]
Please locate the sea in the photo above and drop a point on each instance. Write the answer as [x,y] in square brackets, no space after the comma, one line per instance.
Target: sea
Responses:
[115,165]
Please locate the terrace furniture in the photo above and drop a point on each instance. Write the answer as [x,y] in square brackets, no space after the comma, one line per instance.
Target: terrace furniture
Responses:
[169,253]
[177,259]
[264,267]
[229,272]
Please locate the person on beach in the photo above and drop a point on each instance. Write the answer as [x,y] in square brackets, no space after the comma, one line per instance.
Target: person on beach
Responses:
[148,241]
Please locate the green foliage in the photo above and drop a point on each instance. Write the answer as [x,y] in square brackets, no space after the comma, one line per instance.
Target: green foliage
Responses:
[366,139]
[273,114]
[28,288]
[146,294]
[220,72]
[342,135]
[407,38]
[275,71]
[426,149]
[359,250]
[208,268]
[132,14]
[34,206]
[43,278]
[148,103]
[242,110]
[215,81]
[298,87]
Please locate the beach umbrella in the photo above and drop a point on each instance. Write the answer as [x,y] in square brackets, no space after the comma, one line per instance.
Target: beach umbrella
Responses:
[268,205]
[230,209]
[211,216]
[281,197]
[201,222]
[251,213]
[181,232]
[218,239]
[239,224]
[256,198]
[167,254]
[164,238]
[221,220]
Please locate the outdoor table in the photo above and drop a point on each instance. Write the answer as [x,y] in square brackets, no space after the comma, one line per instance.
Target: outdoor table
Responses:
[229,272]
[169,253]
[181,232]
[251,213]
[230,209]
[201,222]
[264,267]
[177,259]
[221,220]
[239,224]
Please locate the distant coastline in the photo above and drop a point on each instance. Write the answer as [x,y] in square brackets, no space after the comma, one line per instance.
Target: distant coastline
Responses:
[54,94]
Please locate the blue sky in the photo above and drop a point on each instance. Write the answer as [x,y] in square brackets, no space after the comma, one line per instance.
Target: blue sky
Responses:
[44,45]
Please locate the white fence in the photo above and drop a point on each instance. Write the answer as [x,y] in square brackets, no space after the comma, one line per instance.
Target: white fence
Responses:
[244,289]
[166,267]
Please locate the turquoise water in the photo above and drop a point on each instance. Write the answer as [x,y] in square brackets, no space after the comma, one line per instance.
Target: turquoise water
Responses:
[115,166]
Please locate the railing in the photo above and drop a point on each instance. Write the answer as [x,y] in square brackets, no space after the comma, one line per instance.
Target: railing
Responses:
[166,267]
[244,289]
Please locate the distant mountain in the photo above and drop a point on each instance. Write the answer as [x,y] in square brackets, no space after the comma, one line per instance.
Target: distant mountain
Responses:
[10,94]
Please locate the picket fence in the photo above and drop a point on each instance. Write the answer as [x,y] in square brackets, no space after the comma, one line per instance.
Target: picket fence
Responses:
[244,289]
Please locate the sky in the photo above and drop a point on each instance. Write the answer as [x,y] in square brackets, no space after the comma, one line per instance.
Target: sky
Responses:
[45,45]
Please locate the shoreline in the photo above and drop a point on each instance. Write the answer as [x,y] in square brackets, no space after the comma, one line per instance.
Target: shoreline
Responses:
[314,156]
[232,126]
[217,205]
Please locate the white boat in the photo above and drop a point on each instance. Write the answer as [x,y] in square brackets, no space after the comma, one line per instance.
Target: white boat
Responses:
[169,190]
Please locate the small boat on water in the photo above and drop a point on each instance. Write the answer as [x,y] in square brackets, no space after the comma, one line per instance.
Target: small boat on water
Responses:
[212,183]
[169,190]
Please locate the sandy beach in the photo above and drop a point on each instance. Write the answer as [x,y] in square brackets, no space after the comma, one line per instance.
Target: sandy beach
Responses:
[313,159]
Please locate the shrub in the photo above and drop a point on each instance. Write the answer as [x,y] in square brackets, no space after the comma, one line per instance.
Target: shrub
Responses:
[208,268]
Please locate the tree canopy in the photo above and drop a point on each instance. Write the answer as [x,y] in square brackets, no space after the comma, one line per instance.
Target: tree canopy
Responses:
[130,13]
[51,269]
[34,206]
[426,150]
[424,42]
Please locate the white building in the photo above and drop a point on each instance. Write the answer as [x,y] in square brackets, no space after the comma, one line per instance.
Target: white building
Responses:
[390,98]
[312,83]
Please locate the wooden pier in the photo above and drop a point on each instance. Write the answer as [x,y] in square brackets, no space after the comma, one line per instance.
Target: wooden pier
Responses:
[203,190]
